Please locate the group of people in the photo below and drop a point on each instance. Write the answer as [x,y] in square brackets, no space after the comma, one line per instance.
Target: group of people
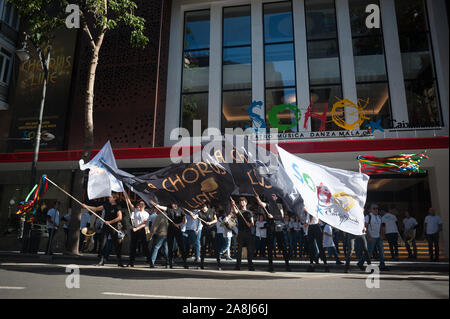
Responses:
[171,230]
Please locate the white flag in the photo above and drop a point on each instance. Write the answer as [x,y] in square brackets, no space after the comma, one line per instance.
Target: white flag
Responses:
[335,196]
[101,182]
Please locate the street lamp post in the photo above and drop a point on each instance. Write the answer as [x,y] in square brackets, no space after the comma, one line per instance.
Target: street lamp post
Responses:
[44,58]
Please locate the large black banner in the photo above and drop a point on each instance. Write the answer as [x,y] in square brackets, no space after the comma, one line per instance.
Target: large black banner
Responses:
[187,184]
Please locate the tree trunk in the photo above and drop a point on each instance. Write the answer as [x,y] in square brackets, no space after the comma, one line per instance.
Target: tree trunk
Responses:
[74,228]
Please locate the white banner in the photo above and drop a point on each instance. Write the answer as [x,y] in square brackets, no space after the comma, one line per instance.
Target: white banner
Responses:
[333,195]
[101,182]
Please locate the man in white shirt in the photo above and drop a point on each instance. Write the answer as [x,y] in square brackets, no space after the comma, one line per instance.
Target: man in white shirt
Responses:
[391,226]
[409,233]
[139,217]
[52,226]
[328,243]
[433,226]
[375,234]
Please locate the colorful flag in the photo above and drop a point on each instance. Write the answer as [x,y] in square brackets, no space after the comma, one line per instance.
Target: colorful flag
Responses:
[335,196]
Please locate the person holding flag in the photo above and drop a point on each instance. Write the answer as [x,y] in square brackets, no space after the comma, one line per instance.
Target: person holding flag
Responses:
[244,238]
[113,215]
[178,217]
[275,215]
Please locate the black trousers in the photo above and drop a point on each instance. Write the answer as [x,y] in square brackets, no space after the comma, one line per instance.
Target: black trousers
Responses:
[174,233]
[433,239]
[245,239]
[51,234]
[114,240]
[135,237]
[208,238]
[393,243]
[351,245]
[271,234]
[315,234]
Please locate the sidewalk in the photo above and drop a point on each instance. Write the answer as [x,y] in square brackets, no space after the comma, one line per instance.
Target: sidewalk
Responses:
[297,265]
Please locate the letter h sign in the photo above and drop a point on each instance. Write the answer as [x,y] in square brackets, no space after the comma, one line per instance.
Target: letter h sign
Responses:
[322,117]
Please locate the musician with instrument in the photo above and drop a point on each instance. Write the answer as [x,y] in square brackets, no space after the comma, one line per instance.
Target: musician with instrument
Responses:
[275,225]
[244,238]
[113,215]
[409,234]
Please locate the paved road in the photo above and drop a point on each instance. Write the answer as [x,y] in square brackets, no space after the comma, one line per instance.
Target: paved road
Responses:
[38,279]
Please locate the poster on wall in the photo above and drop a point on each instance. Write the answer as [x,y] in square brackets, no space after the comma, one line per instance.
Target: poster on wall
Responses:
[27,97]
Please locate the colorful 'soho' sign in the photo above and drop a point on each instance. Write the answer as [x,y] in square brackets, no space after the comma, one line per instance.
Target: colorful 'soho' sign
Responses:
[335,196]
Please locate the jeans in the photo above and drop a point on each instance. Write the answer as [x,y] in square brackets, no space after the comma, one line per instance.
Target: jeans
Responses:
[433,239]
[226,243]
[392,239]
[158,242]
[260,244]
[194,240]
[375,242]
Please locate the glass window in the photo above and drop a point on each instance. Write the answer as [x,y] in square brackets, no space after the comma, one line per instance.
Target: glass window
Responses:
[279,67]
[236,26]
[235,109]
[196,30]
[194,107]
[374,98]
[278,22]
[236,67]
[372,86]
[196,71]
[5,66]
[195,82]
[320,19]
[418,65]
[323,63]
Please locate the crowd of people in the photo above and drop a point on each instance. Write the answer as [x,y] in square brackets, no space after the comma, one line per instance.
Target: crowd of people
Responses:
[263,228]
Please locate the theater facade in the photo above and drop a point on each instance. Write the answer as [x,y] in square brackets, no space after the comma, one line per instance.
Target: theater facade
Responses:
[336,78]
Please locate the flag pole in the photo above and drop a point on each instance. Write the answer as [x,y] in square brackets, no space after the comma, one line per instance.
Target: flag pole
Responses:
[197,215]
[81,204]
[164,214]
[265,209]
[239,211]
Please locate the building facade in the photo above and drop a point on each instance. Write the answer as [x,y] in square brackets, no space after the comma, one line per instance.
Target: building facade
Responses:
[337,78]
